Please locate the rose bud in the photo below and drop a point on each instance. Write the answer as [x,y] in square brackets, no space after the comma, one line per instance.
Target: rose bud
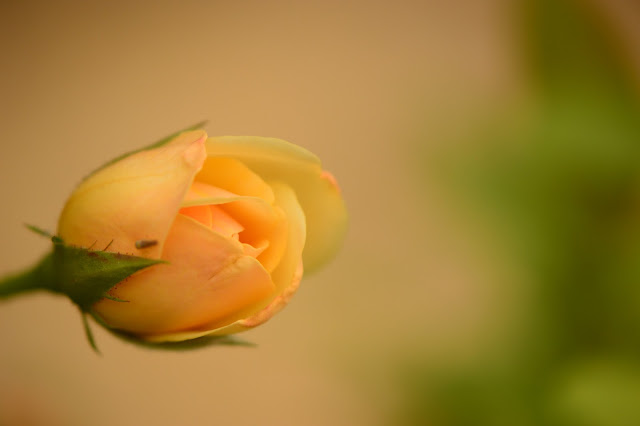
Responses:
[235,220]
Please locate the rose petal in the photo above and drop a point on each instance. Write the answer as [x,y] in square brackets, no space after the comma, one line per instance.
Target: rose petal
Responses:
[260,318]
[200,191]
[261,221]
[134,199]
[208,281]
[254,213]
[327,220]
[286,199]
[286,276]
[233,176]
[200,213]
[288,273]
[319,196]
[278,303]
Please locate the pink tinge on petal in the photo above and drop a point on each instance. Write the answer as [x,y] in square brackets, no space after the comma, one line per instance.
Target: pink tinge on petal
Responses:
[278,303]
[331,179]
[193,154]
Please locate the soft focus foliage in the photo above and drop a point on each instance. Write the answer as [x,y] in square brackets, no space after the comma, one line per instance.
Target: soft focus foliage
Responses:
[557,180]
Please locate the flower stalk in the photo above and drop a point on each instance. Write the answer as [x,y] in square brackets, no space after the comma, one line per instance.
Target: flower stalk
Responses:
[38,277]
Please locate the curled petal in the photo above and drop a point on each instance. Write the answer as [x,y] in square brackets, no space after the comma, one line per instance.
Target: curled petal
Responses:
[276,304]
[231,175]
[208,280]
[136,198]
[260,220]
[243,325]
[286,199]
[288,273]
[278,160]
[286,277]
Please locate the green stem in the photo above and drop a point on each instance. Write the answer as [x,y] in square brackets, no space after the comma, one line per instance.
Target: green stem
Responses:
[38,277]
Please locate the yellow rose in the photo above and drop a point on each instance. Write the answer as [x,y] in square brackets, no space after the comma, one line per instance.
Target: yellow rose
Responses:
[236,219]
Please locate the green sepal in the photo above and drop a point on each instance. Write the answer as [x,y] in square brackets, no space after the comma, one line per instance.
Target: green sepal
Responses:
[86,275]
[115,299]
[88,333]
[82,274]
[154,145]
[38,230]
[197,343]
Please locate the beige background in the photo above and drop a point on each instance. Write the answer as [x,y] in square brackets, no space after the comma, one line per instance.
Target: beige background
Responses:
[358,83]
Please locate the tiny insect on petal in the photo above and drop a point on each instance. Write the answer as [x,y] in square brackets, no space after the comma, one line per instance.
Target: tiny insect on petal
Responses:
[140,244]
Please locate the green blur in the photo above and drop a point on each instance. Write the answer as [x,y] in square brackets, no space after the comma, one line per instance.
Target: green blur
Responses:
[557,181]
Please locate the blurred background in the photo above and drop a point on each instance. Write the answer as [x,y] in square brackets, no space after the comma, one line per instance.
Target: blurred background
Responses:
[489,154]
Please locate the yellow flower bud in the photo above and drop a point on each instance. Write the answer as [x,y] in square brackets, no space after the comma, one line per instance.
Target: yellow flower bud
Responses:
[235,218]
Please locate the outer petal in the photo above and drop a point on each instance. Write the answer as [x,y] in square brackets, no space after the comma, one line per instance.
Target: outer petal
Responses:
[288,274]
[319,196]
[277,304]
[208,281]
[239,326]
[136,198]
